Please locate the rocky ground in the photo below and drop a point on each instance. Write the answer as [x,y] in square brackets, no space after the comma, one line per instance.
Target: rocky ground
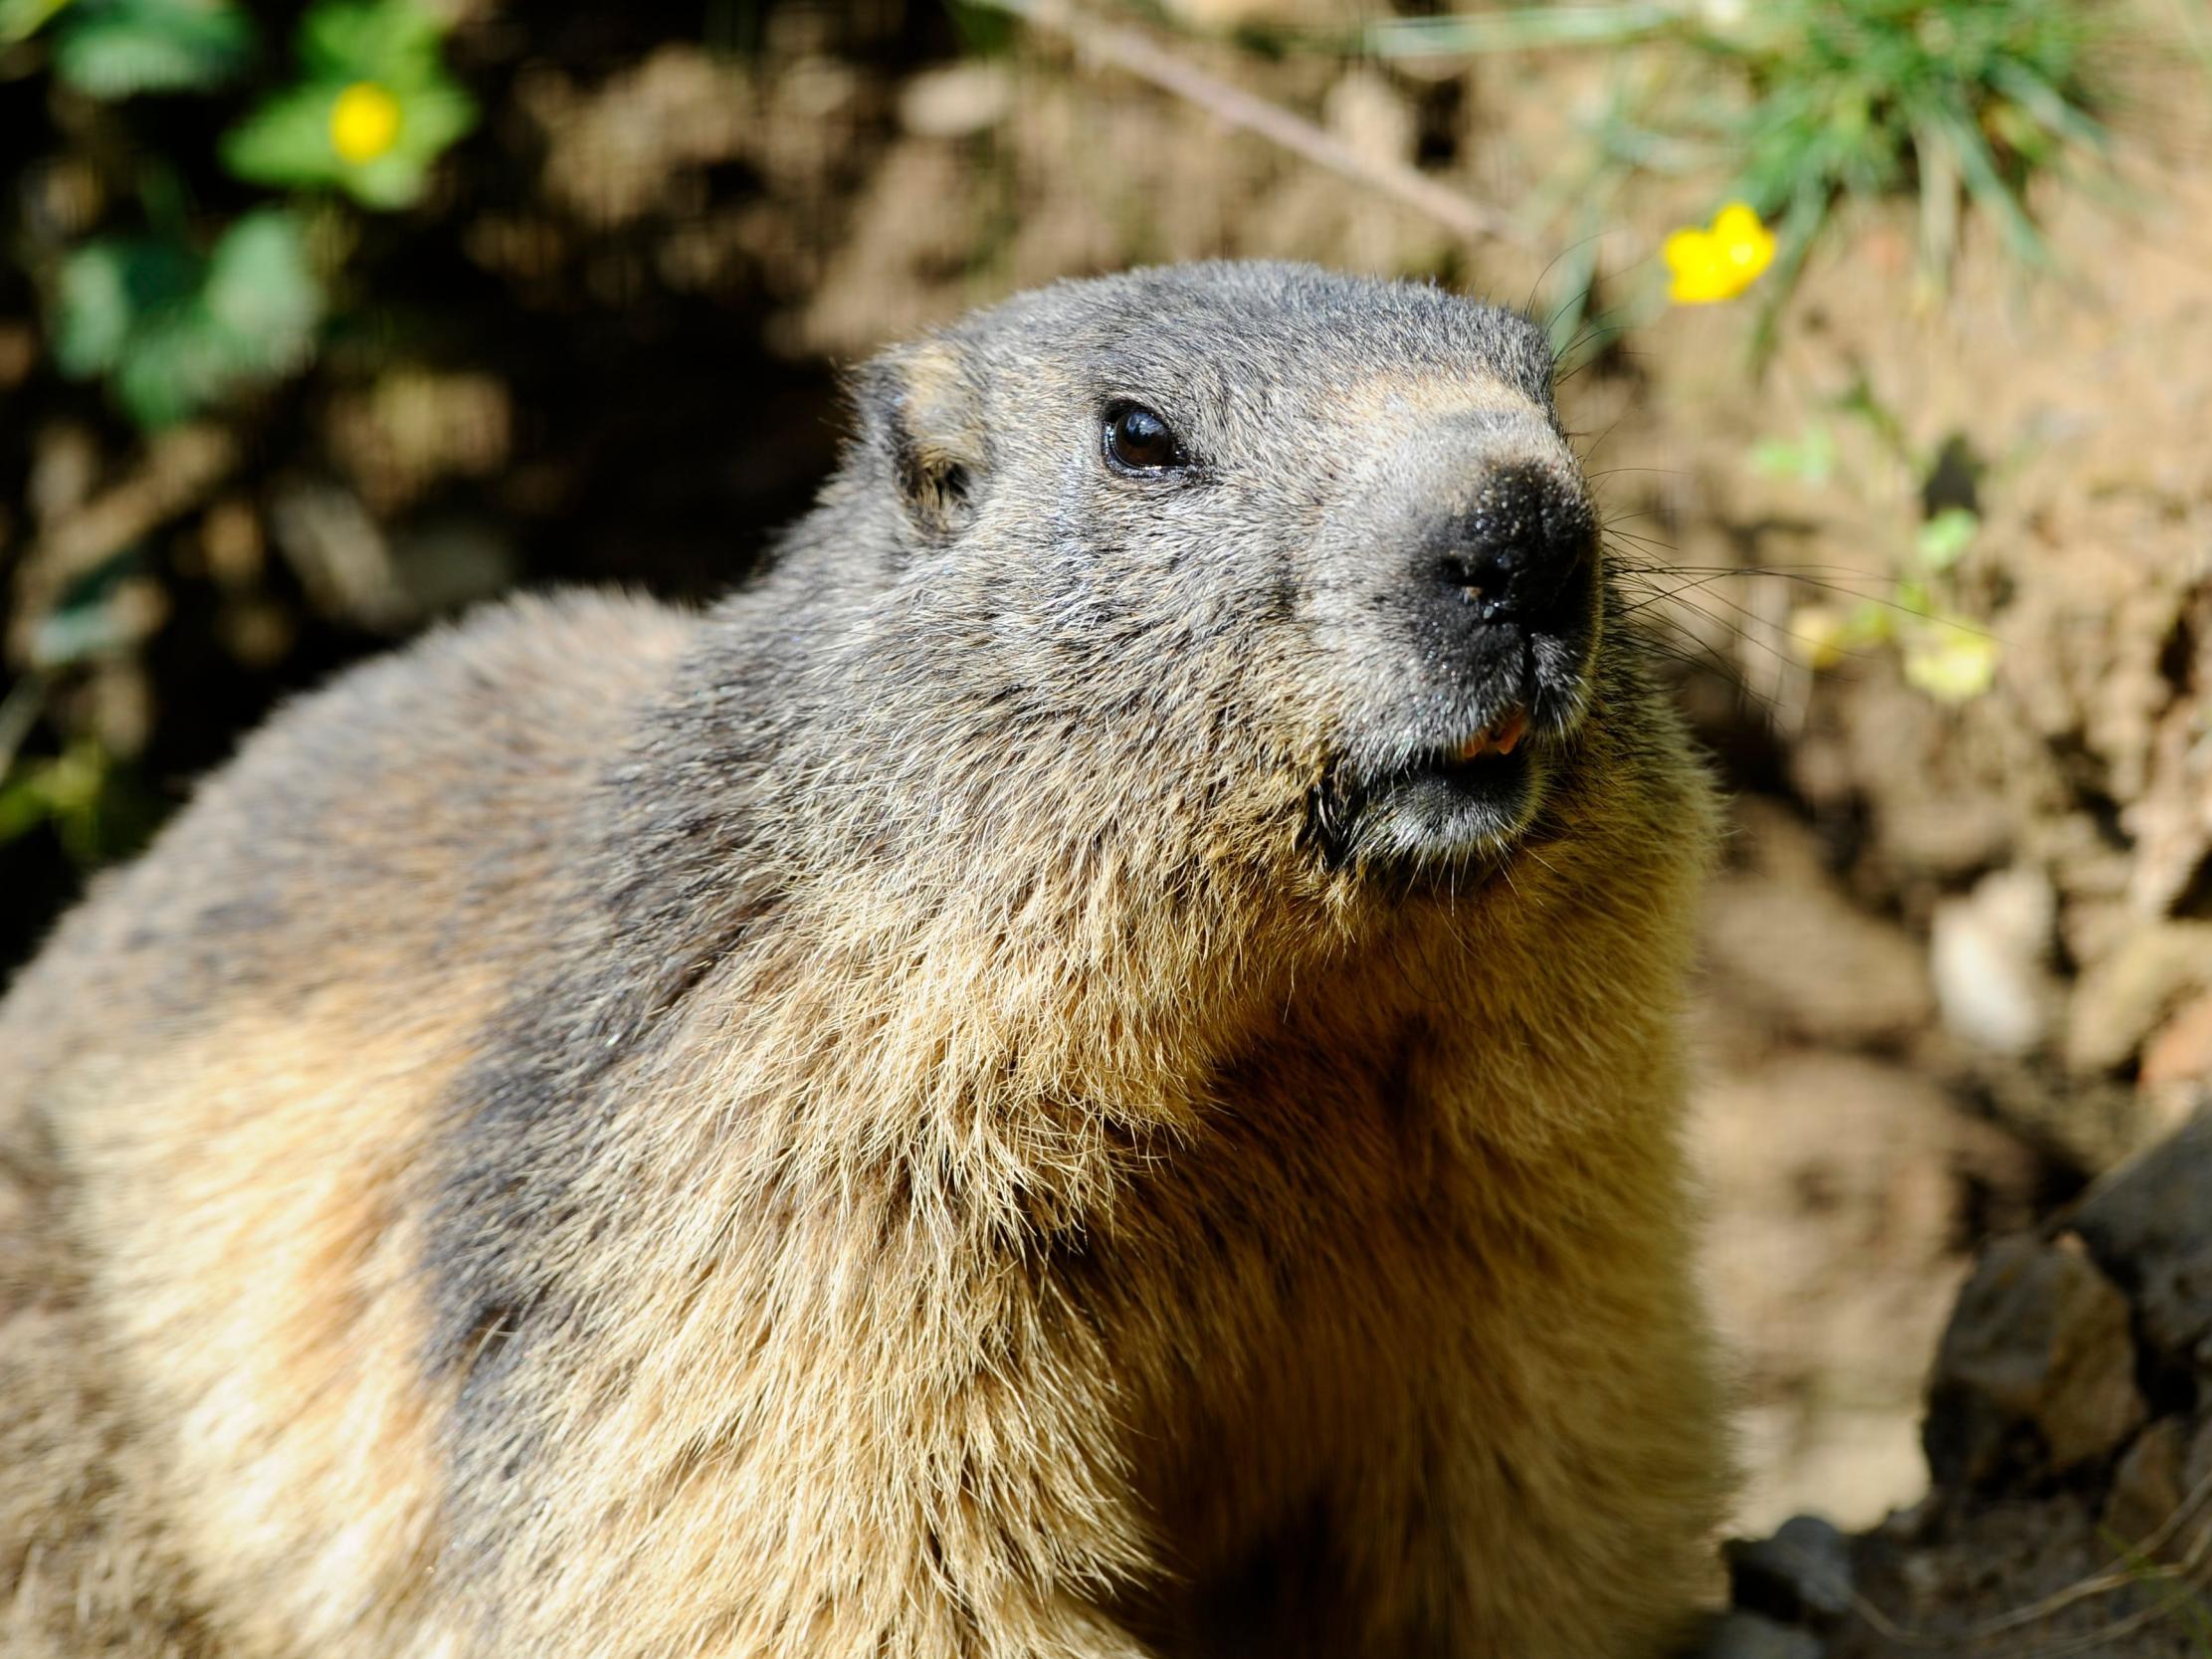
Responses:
[2069,1432]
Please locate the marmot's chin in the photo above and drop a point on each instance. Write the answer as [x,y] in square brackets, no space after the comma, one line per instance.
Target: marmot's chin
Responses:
[1455,810]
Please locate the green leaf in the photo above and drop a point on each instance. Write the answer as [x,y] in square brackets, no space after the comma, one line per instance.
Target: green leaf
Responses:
[1518,29]
[2047,104]
[1970,151]
[91,627]
[174,367]
[1811,460]
[106,288]
[391,181]
[392,41]
[21,19]
[114,49]
[92,312]
[175,332]
[1944,538]
[433,115]
[262,295]
[24,803]
[287,140]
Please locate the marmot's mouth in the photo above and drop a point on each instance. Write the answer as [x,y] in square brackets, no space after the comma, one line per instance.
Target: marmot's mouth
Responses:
[1463,800]
[1500,736]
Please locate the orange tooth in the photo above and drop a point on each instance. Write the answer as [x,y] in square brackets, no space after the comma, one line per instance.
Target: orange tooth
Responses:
[1475,745]
[1510,734]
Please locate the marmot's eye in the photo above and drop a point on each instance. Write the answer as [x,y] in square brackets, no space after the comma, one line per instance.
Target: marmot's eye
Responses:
[1139,441]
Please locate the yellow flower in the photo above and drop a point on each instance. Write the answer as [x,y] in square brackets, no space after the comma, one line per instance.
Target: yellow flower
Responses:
[1719,262]
[364,121]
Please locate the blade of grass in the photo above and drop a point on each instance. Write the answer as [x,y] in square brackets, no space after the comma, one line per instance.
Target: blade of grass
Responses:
[1808,211]
[1970,151]
[1521,29]
[1939,205]
[2047,104]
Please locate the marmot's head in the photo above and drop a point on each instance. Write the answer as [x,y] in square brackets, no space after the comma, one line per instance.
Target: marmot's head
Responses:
[1201,581]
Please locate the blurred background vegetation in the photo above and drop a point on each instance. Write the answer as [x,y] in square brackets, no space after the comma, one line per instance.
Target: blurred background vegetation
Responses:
[319,322]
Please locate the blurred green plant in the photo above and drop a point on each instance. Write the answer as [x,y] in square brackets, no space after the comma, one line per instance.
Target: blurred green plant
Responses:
[1939,651]
[96,807]
[179,318]
[372,110]
[116,49]
[1952,100]
[175,331]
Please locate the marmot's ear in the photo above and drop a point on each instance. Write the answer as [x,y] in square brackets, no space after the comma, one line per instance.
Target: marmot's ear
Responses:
[920,405]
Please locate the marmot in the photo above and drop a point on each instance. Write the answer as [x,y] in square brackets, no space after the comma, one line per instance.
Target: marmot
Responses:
[1087,1067]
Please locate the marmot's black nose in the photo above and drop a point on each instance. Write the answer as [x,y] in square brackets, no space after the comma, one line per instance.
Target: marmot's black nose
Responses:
[1523,553]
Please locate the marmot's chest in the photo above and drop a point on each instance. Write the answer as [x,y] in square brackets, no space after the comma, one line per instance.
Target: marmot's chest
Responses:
[1267,1295]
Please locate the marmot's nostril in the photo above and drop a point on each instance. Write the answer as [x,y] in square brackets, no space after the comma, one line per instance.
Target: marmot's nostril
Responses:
[1486,577]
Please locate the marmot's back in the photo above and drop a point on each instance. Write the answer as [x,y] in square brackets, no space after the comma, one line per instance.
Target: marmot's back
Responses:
[239,1040]
[360,834]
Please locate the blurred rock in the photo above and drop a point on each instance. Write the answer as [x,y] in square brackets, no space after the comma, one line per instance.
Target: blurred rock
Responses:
[1948,837]
[2171,822]
[1989,954]
[2181,1050]
[612,151]
[415,427]
[1845,1190]
[2147,1484]
[2040,1342]
[232,544]
[2040,1363]
[2196,1458]
[1802,1574]
[449,563]
[340,555]
[1800,955]
[955,100]
[2150,1225]
[1748,1636]
[2122,999]
[65,465]
[2091,1123]
[19,352]
[1366,111]
[1238,14]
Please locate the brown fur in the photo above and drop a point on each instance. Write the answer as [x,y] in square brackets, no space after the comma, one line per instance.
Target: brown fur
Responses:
[862,1123]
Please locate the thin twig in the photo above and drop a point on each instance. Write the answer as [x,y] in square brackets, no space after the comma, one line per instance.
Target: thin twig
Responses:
[182,467]
[1132,52]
